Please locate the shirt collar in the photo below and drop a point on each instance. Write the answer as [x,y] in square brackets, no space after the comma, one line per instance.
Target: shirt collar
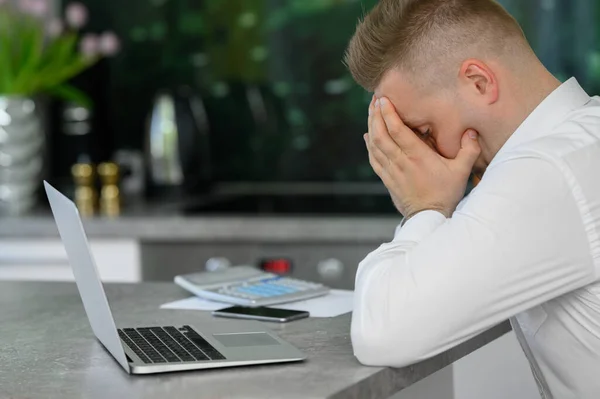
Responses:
[566,98]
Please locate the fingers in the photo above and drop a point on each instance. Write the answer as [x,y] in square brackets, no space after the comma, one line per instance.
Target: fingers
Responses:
[402,135]
[430,141]
[375,161]
[371,112]
[469,152]
[383,173]
[372,105]
[380,137]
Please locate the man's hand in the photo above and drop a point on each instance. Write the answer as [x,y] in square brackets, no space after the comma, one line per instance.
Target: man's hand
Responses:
[417,177]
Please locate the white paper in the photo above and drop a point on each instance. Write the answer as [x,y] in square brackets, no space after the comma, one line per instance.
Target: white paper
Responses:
[335,303]
[194,303]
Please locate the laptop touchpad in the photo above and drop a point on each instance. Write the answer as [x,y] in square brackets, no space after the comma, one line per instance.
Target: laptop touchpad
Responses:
[245,339]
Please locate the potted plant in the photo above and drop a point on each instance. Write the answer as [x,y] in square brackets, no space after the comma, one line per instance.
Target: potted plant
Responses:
[39,54]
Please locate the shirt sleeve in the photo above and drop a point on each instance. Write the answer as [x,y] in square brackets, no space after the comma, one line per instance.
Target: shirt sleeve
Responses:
[517,241]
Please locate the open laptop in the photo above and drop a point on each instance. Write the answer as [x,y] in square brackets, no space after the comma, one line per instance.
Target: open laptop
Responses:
[157,349]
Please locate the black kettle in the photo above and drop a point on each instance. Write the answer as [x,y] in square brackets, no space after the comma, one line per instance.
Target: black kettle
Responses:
[177,148]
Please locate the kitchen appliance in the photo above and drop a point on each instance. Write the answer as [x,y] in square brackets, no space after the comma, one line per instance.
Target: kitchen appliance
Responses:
[288,199]
[269,204]
[300,230]
[177,148]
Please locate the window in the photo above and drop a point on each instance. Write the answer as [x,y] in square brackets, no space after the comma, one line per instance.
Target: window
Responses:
[281,105]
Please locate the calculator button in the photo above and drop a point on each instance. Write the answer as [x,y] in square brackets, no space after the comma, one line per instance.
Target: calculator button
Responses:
[244,291]
[271,288]
[235,293]
[299,288]
[266,287]
[275,292]
[271,279]
[257,292]
[286,290]
[292,286]
[267,293]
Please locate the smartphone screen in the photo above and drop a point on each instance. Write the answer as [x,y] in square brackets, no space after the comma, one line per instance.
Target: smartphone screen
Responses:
[261,313]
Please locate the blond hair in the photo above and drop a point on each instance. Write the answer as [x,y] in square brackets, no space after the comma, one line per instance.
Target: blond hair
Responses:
[418,35]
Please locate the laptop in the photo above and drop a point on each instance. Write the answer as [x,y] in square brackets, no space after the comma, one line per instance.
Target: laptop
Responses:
[158,349]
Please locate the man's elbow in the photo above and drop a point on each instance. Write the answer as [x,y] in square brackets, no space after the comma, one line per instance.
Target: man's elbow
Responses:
[388,348]
[368,349]
[387,330]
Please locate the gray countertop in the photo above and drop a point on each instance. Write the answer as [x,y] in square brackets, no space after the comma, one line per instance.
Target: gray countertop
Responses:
[47,350]
[164,220]
[169,228]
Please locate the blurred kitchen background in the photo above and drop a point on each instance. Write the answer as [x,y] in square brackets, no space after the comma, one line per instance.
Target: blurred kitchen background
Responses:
[208,112]
[200,134]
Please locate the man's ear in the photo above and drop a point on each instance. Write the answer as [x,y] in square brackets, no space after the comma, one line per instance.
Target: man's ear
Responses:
[479,80]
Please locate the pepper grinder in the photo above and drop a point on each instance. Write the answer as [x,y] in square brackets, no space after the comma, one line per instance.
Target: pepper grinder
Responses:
[110,197]
[85,192]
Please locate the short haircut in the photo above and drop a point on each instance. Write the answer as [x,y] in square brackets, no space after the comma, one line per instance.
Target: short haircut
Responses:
[414,35]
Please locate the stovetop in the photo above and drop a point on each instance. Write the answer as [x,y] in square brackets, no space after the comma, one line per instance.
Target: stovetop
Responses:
[304,204]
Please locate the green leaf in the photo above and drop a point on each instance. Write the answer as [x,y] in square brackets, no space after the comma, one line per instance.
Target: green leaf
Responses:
[68,70]
[61,64]
[32,51]
[70,93]
[59,52]
[30,65]
[21,36]
[5,53]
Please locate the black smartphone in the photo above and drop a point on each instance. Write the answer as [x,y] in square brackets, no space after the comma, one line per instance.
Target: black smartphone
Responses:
[261,313]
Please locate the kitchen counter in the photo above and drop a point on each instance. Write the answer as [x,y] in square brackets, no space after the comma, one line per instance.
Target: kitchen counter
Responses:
[177,228]
[276,213]
[47,350]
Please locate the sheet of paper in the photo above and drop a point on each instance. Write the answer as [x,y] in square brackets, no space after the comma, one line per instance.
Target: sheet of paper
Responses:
[194,303]
[335,303]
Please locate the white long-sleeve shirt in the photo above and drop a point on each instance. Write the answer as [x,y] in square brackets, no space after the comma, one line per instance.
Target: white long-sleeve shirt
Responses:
[524,245]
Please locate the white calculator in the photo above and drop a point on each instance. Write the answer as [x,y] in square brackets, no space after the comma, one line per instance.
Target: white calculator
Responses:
[248,286]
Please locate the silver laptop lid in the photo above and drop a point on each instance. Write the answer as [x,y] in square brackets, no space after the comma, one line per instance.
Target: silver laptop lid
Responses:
[88,281]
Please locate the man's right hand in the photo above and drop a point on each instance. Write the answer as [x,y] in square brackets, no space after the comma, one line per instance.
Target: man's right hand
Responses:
[418,176]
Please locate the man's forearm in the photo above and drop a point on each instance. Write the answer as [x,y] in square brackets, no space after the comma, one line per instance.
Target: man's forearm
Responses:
[371,326]
[442,281]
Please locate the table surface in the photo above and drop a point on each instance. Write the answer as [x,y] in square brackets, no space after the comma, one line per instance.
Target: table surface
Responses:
[47,350]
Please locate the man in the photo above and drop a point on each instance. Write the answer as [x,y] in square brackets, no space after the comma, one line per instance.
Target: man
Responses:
[458,89]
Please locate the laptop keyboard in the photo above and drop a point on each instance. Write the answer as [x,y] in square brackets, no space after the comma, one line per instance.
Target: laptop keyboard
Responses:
[168,344]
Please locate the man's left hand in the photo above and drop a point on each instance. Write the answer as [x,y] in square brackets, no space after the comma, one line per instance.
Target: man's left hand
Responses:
[417,177]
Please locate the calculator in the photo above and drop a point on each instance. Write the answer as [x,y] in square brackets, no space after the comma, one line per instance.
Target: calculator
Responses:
[249,286]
